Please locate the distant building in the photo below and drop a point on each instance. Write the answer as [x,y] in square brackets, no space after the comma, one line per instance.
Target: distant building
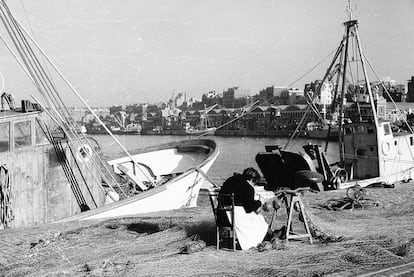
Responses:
[410,90]
[266,95]
[311,90]
[272,95]
[115,109]
[241,102]
[296,96]
[210,99]
[396,91]
[228,97]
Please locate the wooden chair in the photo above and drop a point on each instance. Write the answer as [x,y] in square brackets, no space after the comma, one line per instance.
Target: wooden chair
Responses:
[223,209]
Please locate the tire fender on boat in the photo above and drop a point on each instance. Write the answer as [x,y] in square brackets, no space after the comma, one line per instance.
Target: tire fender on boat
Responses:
[84,153]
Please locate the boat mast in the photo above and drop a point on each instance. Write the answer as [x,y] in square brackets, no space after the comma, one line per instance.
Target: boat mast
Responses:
[351,29]
[368,84]
[348,25]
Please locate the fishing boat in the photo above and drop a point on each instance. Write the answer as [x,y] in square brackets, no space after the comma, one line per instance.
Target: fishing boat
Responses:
[51,171]
[369,151]
[326,127]
[204,128]
[39,181]
[324,132]
[173,174]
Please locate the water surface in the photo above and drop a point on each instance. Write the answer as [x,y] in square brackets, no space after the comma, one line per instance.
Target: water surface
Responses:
[236,153]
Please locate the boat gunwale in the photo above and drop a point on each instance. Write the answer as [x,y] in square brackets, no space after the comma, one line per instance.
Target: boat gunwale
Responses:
[145,194]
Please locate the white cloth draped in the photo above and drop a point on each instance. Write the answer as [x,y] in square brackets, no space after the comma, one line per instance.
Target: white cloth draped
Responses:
[251,228]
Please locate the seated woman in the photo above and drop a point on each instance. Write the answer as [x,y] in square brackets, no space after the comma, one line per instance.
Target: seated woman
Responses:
[250,226]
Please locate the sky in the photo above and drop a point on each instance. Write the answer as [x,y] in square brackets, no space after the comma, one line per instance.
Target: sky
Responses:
[136,51]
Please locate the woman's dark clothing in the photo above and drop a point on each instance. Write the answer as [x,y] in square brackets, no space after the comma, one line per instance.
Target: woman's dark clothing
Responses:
[243,193]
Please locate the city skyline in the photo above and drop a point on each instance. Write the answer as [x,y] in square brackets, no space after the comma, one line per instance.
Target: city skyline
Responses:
[143,51]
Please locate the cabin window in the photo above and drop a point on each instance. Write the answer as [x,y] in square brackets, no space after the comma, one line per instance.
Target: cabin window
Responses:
[370,130]
[359,129]
[411,141]
[40,134]
[360,152]
[4,137]
[22,134]
[387,129]
[348,131]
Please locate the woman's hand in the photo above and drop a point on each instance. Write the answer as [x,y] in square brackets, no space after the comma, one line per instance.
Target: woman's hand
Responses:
[266,207]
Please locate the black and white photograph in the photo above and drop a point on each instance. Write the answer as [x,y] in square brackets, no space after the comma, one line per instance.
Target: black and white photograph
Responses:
[207,138]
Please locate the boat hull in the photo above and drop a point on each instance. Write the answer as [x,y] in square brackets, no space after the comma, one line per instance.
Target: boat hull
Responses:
[178,192]
[322,134]
[197,132]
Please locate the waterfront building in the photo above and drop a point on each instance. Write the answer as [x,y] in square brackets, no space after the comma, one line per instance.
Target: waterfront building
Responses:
[410,90]
[114,109]
[228,97]
[403,111]
[266,95]
[396,90]
[208,99]
[312,89]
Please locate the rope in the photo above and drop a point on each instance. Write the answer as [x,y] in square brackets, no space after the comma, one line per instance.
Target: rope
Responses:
[43,82]
[251,106]
[67,170]
[388,93]
[99,164]
[83,177]
[204,175]
[296,132]
[39,76]
[70,175]
[6,213]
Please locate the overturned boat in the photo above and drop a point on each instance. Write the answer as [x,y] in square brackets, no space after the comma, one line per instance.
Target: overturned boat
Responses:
[369,151]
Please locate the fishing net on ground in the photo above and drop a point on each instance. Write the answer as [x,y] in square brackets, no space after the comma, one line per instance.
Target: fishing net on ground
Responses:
[114,247]
[355,199]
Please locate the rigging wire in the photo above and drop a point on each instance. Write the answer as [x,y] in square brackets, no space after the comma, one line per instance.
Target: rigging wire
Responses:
[389,95]
[259,102]
[66,121]
[310,70]
[93,113]
[97,164]
[243,113]
[77,94]
[26,54]
[31,28]
[34,82]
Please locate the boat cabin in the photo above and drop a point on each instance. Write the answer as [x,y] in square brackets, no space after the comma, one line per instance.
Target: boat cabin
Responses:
[20,131]
[371,153]
[32,177]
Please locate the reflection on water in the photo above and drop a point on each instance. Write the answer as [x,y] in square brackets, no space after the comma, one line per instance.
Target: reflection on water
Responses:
[236,153]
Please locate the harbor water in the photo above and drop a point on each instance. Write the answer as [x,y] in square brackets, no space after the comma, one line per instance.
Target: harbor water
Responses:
[236,153]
